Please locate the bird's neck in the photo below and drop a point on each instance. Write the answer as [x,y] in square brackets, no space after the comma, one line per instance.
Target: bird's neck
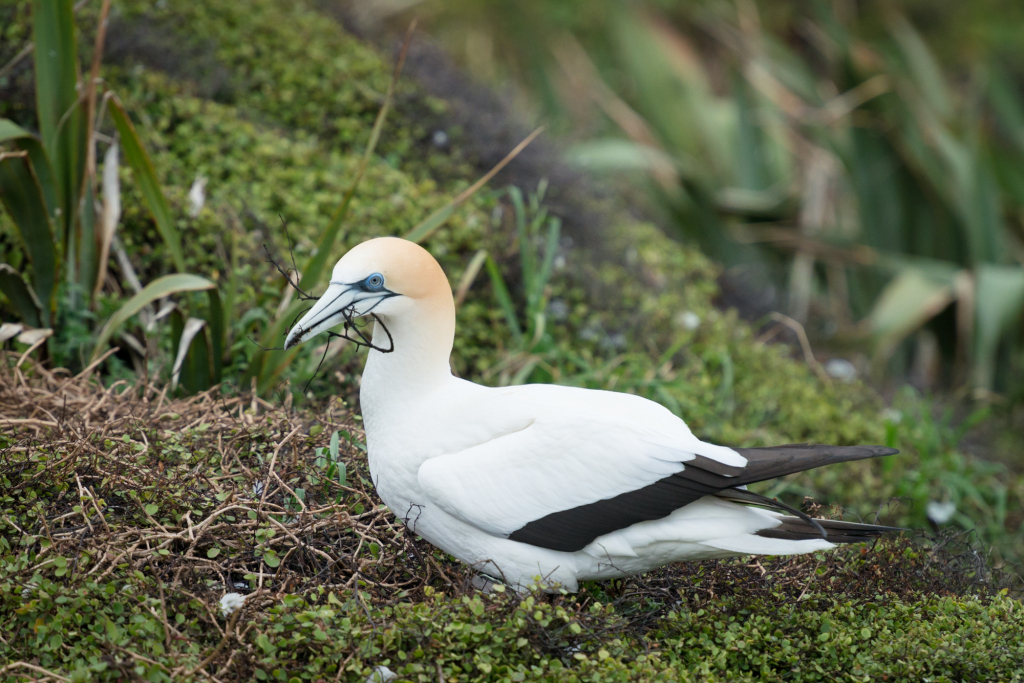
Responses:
[419,364]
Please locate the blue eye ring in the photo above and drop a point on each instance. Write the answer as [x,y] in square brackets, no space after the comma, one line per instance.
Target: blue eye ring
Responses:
[374,283]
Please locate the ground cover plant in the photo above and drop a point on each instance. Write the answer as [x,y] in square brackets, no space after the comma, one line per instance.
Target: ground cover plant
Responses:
[127,515]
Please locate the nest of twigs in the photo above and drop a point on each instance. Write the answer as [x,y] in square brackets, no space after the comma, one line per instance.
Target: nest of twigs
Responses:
[184,487]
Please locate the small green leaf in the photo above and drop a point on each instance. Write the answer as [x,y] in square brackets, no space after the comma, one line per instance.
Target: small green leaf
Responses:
[213,552]
[271,558]
[335,443]
[152,509]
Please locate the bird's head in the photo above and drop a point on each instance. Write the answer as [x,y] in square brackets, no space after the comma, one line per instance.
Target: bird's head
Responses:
[388,277]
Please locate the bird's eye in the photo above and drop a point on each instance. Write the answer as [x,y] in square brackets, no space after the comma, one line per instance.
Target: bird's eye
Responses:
[374,282]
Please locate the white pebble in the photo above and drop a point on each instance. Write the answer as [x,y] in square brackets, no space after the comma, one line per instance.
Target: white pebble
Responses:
[841,369]
[688,320]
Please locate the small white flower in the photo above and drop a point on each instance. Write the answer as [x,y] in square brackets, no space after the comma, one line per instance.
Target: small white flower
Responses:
[231,602]
[440,138]
[381,674]
[892,415]
[688,320]
[257,489]
[940,513]
[841,369]
[197,196]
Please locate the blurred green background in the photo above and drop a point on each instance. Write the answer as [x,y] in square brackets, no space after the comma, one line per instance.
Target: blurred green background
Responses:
[864,158]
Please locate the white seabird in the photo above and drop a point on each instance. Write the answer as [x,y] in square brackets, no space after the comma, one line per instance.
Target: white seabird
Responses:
[543,483]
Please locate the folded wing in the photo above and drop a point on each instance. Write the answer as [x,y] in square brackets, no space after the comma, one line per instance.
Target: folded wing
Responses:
[589,463]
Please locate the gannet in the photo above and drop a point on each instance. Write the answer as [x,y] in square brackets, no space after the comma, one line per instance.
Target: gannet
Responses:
[542,484]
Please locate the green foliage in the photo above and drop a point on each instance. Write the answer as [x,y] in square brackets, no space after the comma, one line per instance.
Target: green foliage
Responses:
[536,275]
[24,198]
[829,146]
[100,580]
[328,460]
[47,184]
[144,172]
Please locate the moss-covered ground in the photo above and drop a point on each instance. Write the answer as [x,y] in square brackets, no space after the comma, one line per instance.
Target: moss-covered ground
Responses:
[271,102]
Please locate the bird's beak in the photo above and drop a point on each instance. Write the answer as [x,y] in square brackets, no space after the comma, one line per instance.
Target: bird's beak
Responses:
[338,303]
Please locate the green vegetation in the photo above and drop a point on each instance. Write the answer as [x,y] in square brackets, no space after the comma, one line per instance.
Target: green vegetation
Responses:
[272,104]
[825,142]
[118,541]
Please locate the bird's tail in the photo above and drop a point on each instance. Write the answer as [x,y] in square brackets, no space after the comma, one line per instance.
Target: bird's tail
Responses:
[799,526]
[797,529]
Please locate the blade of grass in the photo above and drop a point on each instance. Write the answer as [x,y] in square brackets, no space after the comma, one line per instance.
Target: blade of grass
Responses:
[544,274]
[145,175]
[441,216]
[193,326]
[91,86]
[909,301]
[111,213]
[14,287]
[25,141]
[217,324]
[23,198]
[1000,297]
[85,228]
[29,48]
[504,300]
[526,254]
[159,288]
[59,116]
[472,270]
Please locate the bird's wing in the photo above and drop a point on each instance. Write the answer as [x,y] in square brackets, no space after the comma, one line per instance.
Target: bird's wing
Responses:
[581,464]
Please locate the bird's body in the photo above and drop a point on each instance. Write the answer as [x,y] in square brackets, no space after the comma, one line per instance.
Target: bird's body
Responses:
[542,482]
